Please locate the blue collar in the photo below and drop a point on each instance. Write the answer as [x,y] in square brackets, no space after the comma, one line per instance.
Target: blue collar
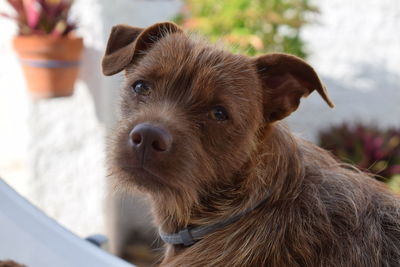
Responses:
[188,236]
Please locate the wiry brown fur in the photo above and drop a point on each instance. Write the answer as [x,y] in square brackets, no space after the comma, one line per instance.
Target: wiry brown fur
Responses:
[318,213]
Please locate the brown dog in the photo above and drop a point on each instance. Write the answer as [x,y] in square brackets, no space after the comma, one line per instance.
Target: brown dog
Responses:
[230,186]
[10,264]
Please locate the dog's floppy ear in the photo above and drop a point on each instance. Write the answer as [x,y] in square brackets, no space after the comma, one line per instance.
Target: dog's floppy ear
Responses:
[120,47]
[285,80]
[127,44]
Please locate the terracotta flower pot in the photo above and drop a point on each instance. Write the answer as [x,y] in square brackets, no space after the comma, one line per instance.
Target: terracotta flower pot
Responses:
[50,64]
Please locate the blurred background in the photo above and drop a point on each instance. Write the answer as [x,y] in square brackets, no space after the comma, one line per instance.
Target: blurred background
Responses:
[52,145]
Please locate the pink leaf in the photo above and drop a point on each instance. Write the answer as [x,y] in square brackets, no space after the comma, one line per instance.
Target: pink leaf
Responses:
[33,10]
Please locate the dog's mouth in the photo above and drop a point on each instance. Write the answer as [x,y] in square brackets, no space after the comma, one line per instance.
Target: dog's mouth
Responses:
[148,172]
[142,175]
[141,171]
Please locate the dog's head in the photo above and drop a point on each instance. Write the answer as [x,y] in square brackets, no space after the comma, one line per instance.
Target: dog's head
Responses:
[190,112]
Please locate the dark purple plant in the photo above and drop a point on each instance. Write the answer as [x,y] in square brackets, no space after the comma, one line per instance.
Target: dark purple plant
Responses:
[368,147]
[42,17]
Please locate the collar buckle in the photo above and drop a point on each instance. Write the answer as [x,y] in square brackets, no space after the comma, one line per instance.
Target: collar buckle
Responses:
[186,236]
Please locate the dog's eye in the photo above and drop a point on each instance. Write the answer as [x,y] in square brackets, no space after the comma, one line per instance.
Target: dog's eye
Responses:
[219,113]
[141,88]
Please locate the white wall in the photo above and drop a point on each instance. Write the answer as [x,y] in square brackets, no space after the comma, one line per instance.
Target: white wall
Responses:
[355,47]
[52,150]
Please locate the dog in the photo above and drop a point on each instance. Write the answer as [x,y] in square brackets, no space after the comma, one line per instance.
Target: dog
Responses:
[200,131]
[9,263]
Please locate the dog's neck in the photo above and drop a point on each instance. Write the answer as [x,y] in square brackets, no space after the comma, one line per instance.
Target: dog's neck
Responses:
[278,172]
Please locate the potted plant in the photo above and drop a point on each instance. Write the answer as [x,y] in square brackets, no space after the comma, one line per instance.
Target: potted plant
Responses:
[48,50]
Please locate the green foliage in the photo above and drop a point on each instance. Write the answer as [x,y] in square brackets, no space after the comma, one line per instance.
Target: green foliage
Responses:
[394,183]
[368,147]
[250,26]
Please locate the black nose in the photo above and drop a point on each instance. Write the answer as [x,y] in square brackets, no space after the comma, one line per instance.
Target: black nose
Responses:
[148,139]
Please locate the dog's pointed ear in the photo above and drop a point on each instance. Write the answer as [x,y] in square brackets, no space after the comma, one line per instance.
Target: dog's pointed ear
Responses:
[127,43]
[285,80]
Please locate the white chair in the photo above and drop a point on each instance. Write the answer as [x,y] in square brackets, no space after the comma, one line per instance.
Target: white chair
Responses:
[29,237]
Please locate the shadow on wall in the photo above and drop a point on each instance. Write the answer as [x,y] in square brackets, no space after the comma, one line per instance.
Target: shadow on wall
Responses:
[104,92]
[371,95]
